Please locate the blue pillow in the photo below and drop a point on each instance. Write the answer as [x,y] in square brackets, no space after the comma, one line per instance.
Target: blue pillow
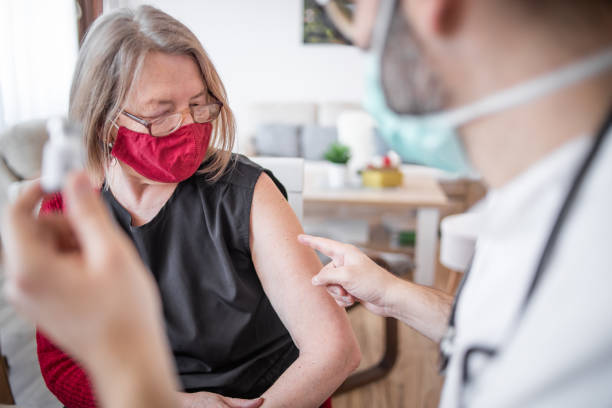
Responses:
[316,139]
[276,139]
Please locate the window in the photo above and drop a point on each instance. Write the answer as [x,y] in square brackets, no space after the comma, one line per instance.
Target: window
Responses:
[38,48]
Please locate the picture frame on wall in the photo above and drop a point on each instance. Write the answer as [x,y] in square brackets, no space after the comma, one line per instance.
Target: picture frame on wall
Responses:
[327,22]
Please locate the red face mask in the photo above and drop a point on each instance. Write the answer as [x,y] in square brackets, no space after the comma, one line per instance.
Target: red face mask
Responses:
[169,159]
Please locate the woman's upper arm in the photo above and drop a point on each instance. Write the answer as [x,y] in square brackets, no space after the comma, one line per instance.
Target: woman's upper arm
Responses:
[285,269]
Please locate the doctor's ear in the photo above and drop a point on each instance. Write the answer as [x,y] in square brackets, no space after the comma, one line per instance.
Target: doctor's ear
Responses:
[434,17]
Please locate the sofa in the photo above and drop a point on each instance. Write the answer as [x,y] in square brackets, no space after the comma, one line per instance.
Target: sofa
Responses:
[20,158]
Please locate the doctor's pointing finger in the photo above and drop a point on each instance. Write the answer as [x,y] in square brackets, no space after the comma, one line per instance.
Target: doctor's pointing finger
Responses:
[360,278]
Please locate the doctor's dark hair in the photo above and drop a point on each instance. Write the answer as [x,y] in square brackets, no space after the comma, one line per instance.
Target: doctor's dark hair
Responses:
[109,62]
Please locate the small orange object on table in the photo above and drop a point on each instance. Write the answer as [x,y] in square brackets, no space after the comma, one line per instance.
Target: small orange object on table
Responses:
[383,171]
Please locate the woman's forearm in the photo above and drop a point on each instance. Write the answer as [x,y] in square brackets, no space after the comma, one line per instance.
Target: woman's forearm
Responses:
[310,380]
[423,308]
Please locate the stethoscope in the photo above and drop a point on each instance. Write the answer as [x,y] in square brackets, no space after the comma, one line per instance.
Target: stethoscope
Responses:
[447,342]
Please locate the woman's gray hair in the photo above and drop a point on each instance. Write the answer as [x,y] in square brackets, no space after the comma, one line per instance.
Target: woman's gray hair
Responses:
[109,62]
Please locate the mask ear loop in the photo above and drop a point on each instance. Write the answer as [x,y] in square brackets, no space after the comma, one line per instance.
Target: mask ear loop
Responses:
[110,144]
[112,159]
[532,89]
[381,26]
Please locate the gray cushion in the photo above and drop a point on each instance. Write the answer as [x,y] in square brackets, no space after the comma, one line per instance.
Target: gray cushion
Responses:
[277,139]
[21,146]
[316,140]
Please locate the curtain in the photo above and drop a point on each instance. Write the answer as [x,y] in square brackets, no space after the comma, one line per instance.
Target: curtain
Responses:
[38,48]
[2,124]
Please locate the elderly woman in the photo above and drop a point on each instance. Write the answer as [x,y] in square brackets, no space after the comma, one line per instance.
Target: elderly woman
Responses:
[213,228]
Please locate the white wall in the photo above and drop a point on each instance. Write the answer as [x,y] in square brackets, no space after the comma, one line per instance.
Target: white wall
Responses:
[257,48]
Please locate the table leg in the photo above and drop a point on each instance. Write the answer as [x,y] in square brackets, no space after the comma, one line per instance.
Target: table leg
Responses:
[426,245]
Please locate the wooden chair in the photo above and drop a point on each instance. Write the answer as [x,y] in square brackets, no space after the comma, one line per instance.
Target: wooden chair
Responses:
[290,172]
[6,396]
[457,244]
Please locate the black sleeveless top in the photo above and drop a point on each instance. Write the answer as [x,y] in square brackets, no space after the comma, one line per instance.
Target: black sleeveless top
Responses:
[225,336]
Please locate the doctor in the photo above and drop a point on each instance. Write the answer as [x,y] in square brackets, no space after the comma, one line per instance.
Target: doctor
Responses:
[520,92]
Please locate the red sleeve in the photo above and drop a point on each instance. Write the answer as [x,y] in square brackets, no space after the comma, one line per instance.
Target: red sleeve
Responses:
[63,376]
[52,203]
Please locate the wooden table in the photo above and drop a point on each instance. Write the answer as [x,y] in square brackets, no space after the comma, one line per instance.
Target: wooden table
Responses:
[420,193]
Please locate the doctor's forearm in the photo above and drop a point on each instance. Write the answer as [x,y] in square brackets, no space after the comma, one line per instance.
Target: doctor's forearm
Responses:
[423,308]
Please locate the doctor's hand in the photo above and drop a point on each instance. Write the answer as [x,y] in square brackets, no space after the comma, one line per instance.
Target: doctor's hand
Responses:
[352,276]
[80,279]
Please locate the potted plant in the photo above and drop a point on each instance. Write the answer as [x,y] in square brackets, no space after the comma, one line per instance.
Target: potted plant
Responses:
[338,155]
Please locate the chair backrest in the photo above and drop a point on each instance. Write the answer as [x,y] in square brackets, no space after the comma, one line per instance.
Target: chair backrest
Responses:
[458,239]
[290,172]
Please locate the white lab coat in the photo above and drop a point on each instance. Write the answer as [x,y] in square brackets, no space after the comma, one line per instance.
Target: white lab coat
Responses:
[560,353]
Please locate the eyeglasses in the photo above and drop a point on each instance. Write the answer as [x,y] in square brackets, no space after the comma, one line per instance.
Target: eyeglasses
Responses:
[167,124]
